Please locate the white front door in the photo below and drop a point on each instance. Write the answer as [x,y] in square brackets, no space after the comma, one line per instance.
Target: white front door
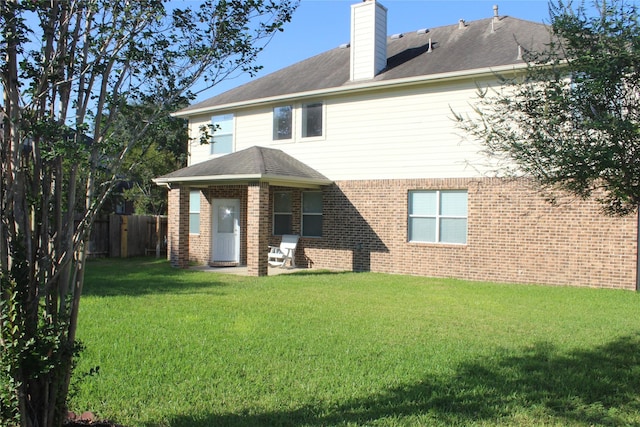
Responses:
[226,230]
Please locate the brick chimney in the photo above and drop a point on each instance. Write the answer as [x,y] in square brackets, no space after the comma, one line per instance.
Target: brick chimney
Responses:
[368,39]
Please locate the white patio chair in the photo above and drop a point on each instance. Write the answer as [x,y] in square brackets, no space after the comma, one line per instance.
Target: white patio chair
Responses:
[278,255]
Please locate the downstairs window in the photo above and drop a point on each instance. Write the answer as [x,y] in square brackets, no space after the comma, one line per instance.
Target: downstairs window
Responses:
[438,216]
[312,214]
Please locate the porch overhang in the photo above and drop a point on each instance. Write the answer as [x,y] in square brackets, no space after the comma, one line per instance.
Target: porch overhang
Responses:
[255,164]
[258,168]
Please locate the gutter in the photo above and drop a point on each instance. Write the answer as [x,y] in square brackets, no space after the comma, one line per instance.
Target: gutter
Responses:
[358,87]
[278,180]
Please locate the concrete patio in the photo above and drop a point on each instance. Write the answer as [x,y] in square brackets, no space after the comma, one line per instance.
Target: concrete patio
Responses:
[242,270]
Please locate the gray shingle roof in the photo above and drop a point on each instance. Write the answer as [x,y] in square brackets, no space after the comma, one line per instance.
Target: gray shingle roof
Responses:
[251,164]
[480,44]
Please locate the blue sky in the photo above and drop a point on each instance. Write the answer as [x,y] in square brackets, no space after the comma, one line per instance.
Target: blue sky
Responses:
[320,25]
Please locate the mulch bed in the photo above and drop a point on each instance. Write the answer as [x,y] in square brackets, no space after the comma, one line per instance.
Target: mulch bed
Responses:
[87,419]
[91,423]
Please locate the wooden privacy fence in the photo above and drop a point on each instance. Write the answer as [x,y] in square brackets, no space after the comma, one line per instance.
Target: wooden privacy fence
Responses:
[128,235]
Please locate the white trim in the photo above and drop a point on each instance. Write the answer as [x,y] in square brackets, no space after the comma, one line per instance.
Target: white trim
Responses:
[212,143]
[192,193]
[437,216]
[303,213]
[273,217]
[292,124]
[304,107]
[274,180]
[357,87]
[215,203]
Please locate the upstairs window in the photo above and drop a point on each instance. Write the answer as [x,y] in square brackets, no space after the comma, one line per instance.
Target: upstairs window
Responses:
[438,216]
[282,213]
[222,140]
[312,119]
[194,212]
[312,214]
[282,122]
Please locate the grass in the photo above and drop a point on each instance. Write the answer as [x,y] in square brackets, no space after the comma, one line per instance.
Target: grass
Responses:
[185,348]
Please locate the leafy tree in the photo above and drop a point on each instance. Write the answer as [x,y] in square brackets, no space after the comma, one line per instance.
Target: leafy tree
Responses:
[69,69]
[161,150]
[571,120]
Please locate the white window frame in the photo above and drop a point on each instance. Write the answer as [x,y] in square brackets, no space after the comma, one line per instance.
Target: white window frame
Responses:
[302,127]
[307,214]
[194,211]
[291,124]
[290,212]
[438,217]
[217,133]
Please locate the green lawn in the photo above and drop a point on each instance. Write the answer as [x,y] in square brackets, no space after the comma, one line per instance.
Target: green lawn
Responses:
[185,348]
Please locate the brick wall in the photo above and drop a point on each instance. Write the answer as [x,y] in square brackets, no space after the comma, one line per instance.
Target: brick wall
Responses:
[178,227]
[514,235]
[258,228]
[200,244]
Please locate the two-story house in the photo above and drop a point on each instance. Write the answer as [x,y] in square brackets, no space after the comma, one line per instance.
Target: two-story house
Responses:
[356,151]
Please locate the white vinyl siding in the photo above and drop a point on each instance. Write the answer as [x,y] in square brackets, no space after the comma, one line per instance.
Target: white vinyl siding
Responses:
[438,216]
[198,152]
[391,134]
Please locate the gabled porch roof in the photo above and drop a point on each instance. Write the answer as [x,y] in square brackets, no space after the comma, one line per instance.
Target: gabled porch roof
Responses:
[249,165]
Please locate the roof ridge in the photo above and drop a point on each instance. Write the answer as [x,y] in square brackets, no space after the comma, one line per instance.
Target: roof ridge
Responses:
[259,159]
[455,25]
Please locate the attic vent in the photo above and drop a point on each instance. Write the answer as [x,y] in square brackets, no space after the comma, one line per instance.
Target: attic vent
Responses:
[422,31]
[461,24]
[496,18]
[397,36]
[344,45]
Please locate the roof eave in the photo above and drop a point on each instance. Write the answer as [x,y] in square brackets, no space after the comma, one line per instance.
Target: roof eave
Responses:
[358,87]
[273,180]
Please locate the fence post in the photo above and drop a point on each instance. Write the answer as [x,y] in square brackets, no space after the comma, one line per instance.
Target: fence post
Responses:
[158,238]
[123,237]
